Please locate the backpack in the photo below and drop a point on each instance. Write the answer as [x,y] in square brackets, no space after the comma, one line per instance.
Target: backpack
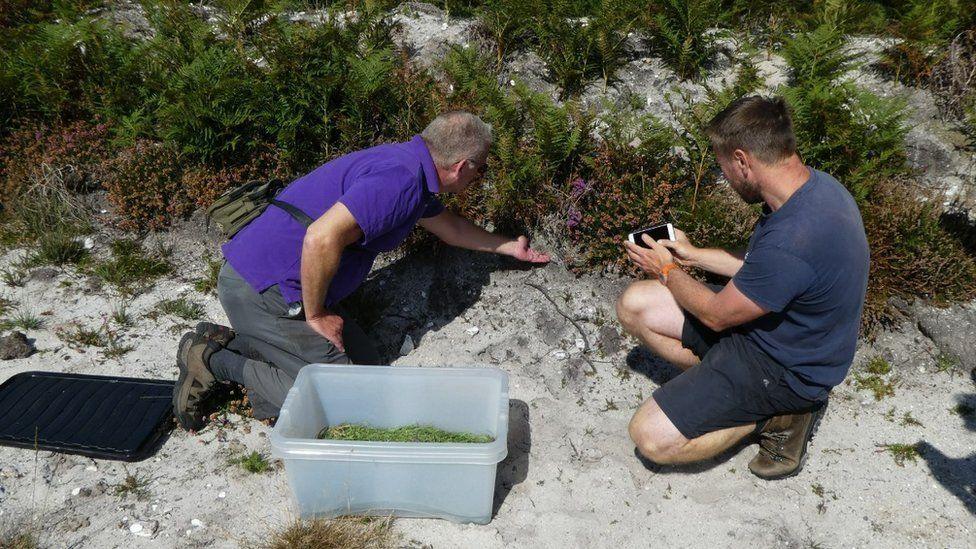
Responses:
[233,210]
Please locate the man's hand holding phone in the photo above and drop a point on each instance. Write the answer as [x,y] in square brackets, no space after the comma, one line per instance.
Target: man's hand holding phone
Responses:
[684,252]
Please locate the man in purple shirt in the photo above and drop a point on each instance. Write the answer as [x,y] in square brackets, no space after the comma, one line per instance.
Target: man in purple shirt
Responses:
[282,284]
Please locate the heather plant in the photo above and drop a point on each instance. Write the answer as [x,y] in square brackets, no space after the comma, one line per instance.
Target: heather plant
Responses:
[912,254]
[74,154]
[145,186]
[634,179]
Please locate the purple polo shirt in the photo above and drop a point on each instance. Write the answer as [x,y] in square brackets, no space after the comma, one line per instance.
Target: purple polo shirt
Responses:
[387,189]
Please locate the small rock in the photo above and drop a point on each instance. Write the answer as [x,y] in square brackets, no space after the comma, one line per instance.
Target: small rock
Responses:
[76,491]
[222,495]
[88,242]
[100,488]
[559,355]
[15,345]
[135,528]
[91,468]
[407,347]
[197,523]
[9,471]
[580,343]
[473,330]
[43,274]
[74,524]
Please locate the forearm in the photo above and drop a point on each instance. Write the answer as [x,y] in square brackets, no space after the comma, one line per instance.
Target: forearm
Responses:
[465,234]
[718,261]
[320,261]
[695,298]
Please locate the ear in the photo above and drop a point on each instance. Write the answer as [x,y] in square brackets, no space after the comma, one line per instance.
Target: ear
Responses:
[457,167]
[741,161]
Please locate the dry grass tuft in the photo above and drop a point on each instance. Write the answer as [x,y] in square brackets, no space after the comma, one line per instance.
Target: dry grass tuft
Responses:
[338,533]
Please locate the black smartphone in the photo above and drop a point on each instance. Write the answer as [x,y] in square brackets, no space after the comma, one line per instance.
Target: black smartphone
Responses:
[664,231]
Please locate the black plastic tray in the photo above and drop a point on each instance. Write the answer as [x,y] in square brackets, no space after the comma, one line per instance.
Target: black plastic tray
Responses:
[103,417]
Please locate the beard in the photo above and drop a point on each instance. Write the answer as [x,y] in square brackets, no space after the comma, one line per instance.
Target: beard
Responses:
[748,192]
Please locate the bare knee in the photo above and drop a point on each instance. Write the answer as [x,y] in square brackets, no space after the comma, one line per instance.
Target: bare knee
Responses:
[637,301]
[652,442]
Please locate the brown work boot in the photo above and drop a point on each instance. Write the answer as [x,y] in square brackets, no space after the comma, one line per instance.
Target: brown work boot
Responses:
[192,358]
[215,332]
[783,444]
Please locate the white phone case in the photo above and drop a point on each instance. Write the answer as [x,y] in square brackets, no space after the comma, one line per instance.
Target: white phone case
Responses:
[670,233]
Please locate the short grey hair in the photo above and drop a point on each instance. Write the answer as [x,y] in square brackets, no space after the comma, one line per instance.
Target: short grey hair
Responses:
[456,136]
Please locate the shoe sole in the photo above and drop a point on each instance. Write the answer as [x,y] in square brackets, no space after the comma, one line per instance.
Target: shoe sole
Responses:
[811,431]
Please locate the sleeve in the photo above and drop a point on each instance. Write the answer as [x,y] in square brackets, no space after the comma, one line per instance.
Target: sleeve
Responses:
[434,208]
[772,278]
[382,199]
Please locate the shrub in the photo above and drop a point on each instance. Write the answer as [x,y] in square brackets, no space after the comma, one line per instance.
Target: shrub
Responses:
[628,188]
[144,183]
[74,153]
[912,254]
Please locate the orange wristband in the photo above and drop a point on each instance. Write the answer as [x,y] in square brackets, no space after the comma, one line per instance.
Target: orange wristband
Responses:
[667,269]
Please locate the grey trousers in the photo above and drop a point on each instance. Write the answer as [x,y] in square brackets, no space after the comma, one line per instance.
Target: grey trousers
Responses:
[274,346]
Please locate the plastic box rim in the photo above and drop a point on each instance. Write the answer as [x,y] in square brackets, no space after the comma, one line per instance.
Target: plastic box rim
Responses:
[283,447]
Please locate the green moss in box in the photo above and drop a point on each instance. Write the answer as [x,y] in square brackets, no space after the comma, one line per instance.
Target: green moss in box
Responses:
[409,433]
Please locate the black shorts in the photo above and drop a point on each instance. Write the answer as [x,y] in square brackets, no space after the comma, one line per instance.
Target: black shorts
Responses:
[735,384]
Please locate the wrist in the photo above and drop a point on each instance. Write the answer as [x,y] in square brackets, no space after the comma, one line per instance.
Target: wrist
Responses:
[666,270]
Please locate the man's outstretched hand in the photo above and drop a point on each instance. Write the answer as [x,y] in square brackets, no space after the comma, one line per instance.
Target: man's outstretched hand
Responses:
[520,249]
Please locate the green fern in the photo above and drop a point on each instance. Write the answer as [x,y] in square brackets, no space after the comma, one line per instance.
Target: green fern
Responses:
[681,34]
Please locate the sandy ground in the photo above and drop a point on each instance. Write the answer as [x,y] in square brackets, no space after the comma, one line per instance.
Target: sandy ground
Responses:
[571,478]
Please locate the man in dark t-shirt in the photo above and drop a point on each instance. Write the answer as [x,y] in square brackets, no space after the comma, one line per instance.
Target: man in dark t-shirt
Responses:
[761,353]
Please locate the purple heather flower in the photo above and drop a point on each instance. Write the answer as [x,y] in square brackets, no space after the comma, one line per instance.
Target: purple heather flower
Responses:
[578,187]
[574,217]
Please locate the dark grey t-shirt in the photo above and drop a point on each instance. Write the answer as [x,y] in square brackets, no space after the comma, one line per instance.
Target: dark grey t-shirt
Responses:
[807,263]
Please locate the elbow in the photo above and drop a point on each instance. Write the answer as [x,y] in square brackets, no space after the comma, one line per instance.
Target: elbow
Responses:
[319,240]
[714,323]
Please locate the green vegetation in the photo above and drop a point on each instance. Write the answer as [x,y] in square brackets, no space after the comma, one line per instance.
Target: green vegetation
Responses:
[23,319]
[76,335]
[878,385]
[166,123]
[208,283]
[337,533]
[878,365]
[131,268]
[181,307]
[254,462]
[901,452]
[409,433]
[133,484]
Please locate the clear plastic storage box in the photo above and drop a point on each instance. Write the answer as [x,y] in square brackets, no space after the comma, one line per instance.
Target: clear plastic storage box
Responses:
[451,481]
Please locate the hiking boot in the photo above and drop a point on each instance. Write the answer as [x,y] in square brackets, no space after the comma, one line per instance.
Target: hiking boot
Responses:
[217,333]
[192,358]
[783,444]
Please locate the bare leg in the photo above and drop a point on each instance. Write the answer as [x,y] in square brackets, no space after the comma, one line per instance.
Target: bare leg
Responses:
[660,441]
[648,311]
